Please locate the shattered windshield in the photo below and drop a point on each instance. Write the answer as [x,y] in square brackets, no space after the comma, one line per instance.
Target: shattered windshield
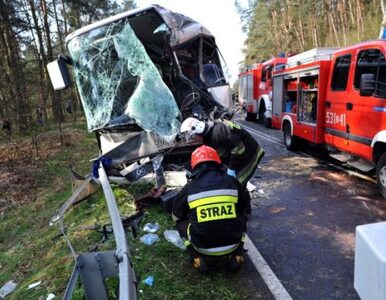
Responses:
[119,84]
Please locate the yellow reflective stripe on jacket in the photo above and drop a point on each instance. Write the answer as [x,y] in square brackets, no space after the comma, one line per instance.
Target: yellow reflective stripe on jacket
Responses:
[217,251]
[219,192]
[244,173]
[238,150]
[232,124]
[214,212]
[212,200]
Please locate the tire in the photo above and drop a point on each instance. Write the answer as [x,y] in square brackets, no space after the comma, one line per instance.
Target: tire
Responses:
[261,119]
[249,116]
[290,141]
[381,175]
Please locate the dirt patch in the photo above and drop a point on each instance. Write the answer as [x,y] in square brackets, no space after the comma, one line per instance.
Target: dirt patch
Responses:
[21,162]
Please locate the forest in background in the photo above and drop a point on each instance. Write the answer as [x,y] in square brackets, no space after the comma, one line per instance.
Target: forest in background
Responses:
[294,26]
[33,33]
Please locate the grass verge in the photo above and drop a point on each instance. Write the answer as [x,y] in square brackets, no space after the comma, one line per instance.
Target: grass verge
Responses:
[31,250]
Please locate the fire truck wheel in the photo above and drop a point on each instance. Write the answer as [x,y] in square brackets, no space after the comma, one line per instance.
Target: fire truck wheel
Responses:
[290,141]
[249,116]
[381,175]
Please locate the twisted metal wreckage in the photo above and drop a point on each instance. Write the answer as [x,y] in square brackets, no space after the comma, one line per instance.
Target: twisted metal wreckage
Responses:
[139,74]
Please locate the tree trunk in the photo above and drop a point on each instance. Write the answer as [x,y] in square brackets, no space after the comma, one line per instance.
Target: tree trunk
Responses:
[64,13]
[57,108]
[60,35]
[42,57]
[13,70]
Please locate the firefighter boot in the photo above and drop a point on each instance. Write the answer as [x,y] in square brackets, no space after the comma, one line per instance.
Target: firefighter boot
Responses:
[200,264]
[236,260]
[198,261]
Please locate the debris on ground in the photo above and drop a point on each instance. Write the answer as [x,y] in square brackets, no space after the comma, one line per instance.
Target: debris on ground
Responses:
[250,187]
[173,237]
[149,280]
[175,178]
[35,284]
[7,288]
[151,227]
[276,209]
[149,239]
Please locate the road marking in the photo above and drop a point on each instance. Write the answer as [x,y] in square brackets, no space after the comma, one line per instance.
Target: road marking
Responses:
[273,283]
[263,135]
[331,165]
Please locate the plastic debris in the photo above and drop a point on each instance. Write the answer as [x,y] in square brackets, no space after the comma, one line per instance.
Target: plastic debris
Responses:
[7,288]
[149,238]
[149,280]
[50,296]
[35,284]
[173,237]
[53,220]
[261,191]
[151,227]
[175,178]
[250,187]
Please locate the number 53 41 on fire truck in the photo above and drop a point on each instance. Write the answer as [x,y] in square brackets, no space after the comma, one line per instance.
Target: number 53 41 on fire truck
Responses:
[336,98]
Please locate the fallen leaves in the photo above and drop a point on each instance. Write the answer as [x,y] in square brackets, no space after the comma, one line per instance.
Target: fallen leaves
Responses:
[276,209]
[20,164]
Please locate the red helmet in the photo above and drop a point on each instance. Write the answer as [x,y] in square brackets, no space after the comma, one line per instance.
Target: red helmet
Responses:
[204,153]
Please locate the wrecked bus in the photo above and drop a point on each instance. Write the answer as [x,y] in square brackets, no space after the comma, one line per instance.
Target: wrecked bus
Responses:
[139,74]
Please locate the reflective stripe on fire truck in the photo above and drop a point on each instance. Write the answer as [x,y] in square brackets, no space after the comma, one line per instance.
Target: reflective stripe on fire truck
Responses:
[348,136]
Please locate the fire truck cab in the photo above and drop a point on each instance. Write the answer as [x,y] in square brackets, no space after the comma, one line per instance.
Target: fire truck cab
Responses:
[336,98]
[255,90]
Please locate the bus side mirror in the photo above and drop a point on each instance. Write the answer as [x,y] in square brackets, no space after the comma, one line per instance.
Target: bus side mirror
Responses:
[58,73]
[367,85]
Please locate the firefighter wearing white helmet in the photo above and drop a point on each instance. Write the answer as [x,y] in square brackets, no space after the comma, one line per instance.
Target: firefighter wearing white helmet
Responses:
[192,126]
[238,150]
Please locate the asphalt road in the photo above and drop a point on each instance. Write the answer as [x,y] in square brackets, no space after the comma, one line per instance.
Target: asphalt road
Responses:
[304,216]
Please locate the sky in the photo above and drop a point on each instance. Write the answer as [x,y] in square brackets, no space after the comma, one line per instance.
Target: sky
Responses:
[220,18]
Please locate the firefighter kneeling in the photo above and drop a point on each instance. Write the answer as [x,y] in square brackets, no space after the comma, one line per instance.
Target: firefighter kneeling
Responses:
[211,212]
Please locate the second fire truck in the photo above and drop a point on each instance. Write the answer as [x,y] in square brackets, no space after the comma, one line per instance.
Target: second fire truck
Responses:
[336,98]
[255,90]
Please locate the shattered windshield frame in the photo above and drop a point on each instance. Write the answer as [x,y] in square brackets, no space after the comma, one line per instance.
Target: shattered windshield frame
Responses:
[118,83]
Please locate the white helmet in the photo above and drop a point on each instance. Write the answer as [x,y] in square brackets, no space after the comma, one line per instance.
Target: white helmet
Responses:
[192,126]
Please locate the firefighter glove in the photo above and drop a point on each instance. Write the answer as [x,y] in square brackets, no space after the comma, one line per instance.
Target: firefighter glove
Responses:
[231,172]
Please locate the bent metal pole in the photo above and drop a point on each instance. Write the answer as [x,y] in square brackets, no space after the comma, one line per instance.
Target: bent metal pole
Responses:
[126,274]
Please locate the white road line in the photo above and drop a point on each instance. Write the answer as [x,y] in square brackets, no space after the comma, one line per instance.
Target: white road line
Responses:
[269,277]
[262,135]
[331,165]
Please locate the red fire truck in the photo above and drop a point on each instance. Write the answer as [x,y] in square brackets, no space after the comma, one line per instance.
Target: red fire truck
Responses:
[336,98]
[255,90]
